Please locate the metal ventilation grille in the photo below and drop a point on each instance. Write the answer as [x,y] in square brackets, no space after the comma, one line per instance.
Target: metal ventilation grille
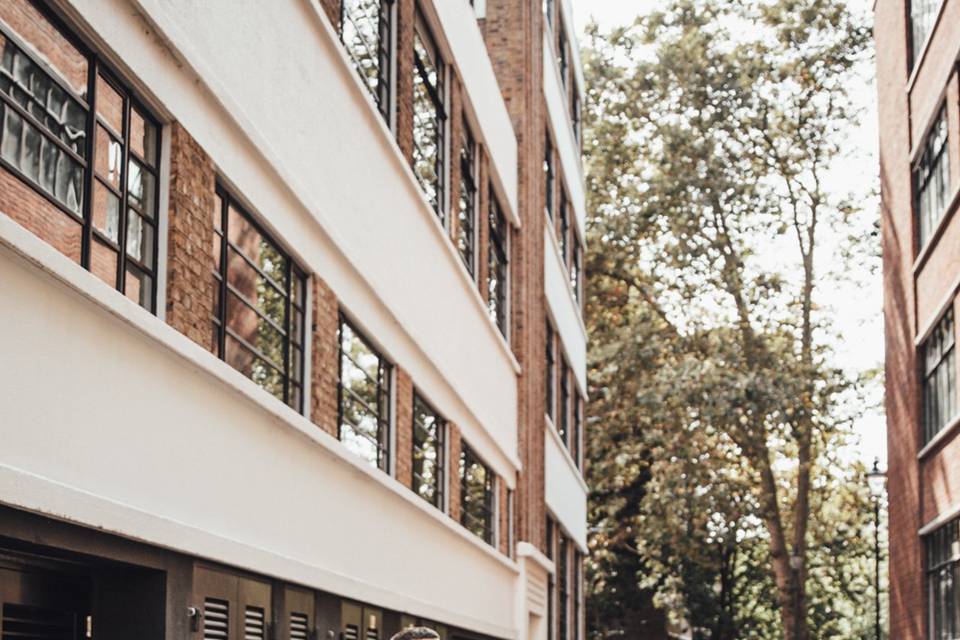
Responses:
[372,634]
[254,624]
[299,626]
[352,632]
[215,616]
[21,622]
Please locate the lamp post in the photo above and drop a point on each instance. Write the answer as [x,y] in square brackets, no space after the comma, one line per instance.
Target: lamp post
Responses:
[877,482]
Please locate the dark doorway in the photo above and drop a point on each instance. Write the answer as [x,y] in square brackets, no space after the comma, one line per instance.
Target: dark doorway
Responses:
[42,599]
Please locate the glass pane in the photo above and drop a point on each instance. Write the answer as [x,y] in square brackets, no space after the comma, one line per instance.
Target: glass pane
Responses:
[109,157]
[254,330]
[258,370]
[139,287]
[143,138]
[140,187]
[217,213]
[139,238]
[110,105]
[103,262]
[12,137]
[257,290]
[255,246]
[106,211]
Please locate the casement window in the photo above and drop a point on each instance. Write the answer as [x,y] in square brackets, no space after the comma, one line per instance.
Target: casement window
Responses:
[429,116]
[563,417]
[428,452]
[563,587]
[476,495]
[576,266]
[551,580]
[498,273]
[563,52]
[939,378]
[577,623]
[366,33]
[551,371]
[923,14]
[564,226]
[258,314]
[942,551]
[364,398]
[467,209]
[931,179]
[549,175]
[575,112]
[74,134]
[576,431]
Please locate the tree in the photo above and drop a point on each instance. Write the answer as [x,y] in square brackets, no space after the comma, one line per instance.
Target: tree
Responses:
[711,128]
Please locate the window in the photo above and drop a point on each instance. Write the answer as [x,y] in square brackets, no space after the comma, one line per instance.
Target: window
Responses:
[364,398]
[549,176]
[428,453]
[429,116]
[548,7]
[923,13]
[476,495]
[563,587]
[467,210]
[576,265]
[939,378]
[942,550]
[575,111]
[68,129]
[563,53]
[577,591]
[258,314]
[931,178]
[563,419]
[564,224]
[551,580]
[365,30]
[551,372]
[576,436]
[499,272]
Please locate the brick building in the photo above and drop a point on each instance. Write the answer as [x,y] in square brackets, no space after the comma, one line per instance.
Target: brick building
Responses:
[291,324]
[918,44]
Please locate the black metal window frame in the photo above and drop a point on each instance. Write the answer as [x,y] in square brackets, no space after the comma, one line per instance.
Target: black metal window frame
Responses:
[563,419]
[942,578]
[549,174]
[86,159]
[476,514]
[563,51]
[576,431]
[563,222]
[931,179]
[563,586]
[426,53]
[551,370]
[292,289]
[551,580]
[923,16]
[421,437]
[498,273]
[467,210]
[576,113]
[383,384]
[576,266]
[939,377]
[381,51]
[548,9]
[577,594]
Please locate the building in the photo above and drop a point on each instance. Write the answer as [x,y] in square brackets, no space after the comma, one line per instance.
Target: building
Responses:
[918,42]
[290,330]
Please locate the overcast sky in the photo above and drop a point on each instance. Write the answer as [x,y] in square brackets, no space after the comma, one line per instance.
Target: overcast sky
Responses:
[858,308]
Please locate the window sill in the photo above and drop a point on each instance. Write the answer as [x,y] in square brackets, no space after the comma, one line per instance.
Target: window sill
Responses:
[948,431]
[552,430]
[43,257]
[934,240]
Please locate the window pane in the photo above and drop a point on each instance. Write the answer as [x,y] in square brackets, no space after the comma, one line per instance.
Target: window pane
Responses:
[256,331]
[257,369]
[106,211]
[364,398]
[109,157]
[139,287]
[139,238]
[427,453]
[428,117]
[109,105]
[32,27]
[365,34]
[103,262]
[143,137]
[257,290]
[140,188]
[255,246]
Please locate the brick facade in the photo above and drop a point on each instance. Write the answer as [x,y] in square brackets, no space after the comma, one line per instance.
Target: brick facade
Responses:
[918,283]
[325,356]
[404,425]
[332,9]
[190,240]
[454,448]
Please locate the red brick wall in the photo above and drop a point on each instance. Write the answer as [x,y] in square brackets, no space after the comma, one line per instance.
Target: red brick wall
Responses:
[30,209]
[406,21]
[453,473]
[35,29]
[456,131]
[190,259]
[404,426]
[325,357]
[503,525]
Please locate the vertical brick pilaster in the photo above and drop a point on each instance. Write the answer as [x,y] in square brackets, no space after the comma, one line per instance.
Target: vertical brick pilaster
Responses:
[453,466]
[456,133]
[403,83]
[404,424]
[503,526]
[190,260]
[325,355]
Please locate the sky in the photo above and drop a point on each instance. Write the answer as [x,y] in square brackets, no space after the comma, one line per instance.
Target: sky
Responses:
[858,307]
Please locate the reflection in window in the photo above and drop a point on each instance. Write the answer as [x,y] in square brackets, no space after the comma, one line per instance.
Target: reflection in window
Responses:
[942,568]
[364,398]
[576,266]
[923,13]
[549,175]
[498,271]
[467,210]
[931,177]
[939,378]
[551,372]
[428,467]
[365,32]
[429,116]
[258,319]
[476,495]
[45,140]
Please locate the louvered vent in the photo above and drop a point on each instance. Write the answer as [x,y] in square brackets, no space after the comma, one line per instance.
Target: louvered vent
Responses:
[215,616]
[372,634]
[352,632]
[21,622]
[254,624]
[299,626]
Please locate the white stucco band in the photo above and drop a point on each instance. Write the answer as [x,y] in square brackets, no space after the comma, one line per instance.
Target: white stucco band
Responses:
[566,493]
[225,472]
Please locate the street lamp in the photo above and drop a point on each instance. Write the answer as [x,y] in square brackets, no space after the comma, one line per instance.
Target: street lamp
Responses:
[877,482]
